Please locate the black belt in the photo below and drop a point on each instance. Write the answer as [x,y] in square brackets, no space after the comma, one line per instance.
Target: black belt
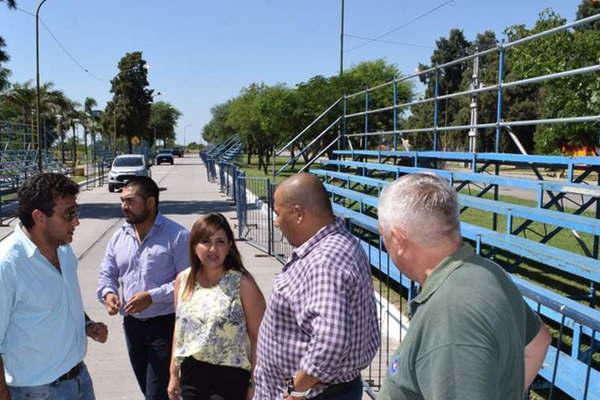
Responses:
[72,373]
[338,388]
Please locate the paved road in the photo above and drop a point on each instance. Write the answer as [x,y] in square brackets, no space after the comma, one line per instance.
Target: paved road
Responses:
[185,195]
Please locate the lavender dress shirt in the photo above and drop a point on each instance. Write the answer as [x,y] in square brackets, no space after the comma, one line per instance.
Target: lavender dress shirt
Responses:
[130,267]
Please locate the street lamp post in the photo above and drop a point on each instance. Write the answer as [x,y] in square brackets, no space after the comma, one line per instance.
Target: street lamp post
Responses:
[342,42]
[37,80]
[184,129]
[154,139]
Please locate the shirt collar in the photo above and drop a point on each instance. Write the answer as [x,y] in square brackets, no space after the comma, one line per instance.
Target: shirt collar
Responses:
[158,221]
[442,272]
[306,247]
[28,245]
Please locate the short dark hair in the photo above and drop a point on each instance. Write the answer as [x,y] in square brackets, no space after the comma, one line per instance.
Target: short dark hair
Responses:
[146,187]
[40,192]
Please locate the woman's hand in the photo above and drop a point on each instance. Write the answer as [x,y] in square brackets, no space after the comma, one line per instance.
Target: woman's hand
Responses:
[250,392]
[174,388]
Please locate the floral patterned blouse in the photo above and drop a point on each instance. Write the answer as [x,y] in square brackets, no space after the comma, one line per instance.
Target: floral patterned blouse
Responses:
[210,325]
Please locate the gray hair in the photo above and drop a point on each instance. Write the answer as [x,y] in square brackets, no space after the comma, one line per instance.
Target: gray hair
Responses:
[424,205]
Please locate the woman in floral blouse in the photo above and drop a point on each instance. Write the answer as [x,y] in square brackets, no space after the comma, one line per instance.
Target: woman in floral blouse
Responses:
[218,312]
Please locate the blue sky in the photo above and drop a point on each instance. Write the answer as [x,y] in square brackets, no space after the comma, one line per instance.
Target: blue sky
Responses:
[202,53]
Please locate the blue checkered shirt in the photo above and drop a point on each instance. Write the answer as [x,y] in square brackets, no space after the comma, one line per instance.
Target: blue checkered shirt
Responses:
[321,316]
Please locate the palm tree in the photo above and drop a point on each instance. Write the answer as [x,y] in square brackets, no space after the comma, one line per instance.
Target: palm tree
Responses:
[91,121]
[3,56]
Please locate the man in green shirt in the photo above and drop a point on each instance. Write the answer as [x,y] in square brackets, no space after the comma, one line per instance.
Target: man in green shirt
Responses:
[471,336]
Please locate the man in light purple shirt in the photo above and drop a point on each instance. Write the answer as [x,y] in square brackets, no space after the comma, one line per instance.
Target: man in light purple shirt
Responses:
[136,279]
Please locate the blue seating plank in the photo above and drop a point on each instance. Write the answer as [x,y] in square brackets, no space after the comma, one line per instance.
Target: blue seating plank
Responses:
[566,261]
[455,176]
[545,216]
[508,158]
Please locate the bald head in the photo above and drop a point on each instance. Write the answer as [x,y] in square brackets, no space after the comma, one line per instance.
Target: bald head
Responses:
[306,191]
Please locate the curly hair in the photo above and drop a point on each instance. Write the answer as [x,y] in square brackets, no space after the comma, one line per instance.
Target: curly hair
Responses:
[40,192]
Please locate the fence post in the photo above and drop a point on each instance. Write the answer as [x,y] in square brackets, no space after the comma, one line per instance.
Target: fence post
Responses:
[499,95]
[234,183]
[242,204]
[498,120]
[395,115]
[436,108]
[270,234]
[365,143]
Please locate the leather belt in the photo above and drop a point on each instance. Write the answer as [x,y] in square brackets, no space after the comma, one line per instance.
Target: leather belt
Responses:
[72,373]
[339,388]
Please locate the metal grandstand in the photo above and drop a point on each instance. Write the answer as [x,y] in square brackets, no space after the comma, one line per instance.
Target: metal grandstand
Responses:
[544,230]
[19,160]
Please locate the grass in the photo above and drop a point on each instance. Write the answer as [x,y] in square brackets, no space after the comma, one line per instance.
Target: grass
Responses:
[252,168]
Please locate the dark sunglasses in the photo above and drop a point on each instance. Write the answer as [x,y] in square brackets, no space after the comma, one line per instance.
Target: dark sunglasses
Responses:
[71,213]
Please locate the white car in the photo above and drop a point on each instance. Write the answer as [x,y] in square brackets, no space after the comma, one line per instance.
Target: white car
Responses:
[126,166]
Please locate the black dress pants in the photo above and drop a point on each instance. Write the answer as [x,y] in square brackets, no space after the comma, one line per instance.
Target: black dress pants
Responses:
[149,344]
[204,381]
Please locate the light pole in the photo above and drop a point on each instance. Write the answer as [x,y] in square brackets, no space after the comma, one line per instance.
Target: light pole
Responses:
[62,138]
[184,129]
[342,42]
[154,125]
[37,81]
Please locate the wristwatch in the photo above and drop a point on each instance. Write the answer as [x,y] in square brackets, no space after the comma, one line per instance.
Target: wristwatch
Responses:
[295,393]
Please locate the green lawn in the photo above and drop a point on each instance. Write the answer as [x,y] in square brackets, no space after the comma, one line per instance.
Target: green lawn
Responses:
[252,168]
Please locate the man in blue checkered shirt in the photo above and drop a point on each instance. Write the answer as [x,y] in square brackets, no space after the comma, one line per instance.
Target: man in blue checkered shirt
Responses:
[320,328]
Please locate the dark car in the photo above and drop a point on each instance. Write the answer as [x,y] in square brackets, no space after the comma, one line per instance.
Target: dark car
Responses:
[178,151]
[165,156]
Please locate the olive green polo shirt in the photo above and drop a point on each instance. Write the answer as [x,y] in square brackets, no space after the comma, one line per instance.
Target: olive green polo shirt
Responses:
[467,335]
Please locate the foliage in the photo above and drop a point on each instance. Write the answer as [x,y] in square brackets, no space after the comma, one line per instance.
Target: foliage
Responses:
[163,119]
[588,8]
[566,97]
[266,116]
[128,113]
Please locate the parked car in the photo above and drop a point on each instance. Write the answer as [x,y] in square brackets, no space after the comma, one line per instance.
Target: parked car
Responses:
[126,166]
[178,151]
[165,155]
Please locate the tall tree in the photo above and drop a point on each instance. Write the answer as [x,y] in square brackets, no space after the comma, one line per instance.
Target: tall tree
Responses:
[566,97]
[587,8]
[217,130]
[450,79]
[163,119]
[4,73]
[129,109]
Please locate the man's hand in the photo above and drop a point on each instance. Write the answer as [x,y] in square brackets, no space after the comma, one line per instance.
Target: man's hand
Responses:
[138,303]
[112,303]
[97,331]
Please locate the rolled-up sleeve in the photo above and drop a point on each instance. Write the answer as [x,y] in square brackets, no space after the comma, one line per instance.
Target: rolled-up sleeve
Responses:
[7,299]
[326,310]
[181,260]
[109,271]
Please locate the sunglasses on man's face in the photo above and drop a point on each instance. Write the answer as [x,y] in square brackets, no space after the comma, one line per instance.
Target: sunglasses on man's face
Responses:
[71,213]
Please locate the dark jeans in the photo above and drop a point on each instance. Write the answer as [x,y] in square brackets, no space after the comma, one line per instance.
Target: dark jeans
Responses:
[204,381]
[149,344]
[347,391]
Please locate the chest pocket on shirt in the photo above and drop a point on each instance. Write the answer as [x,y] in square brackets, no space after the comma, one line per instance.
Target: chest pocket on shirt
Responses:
[42,296]
[158,265]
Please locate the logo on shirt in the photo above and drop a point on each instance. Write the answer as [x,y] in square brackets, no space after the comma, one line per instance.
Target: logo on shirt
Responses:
[393,366]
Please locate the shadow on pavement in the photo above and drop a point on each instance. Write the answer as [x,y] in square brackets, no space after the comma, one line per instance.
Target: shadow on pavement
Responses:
[169,207]
[194,207]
